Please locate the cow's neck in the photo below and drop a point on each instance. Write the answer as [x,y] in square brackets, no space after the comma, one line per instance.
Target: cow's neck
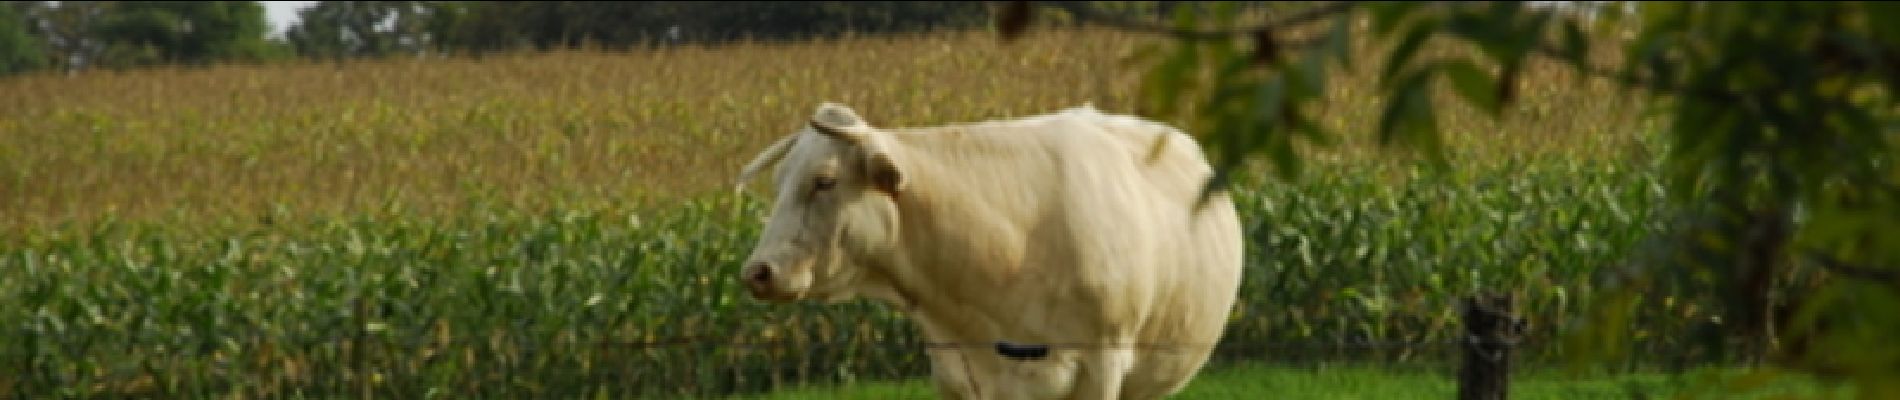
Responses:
[935,311]
[965,222]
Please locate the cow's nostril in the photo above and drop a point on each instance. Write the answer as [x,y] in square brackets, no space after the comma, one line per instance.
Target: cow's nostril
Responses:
[761,273]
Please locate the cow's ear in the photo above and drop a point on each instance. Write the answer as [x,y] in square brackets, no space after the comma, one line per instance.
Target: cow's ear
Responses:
[884,174]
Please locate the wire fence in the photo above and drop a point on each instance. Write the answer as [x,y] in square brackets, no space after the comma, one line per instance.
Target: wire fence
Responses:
[714,341]
[705,365]
[700,366]
[523,362]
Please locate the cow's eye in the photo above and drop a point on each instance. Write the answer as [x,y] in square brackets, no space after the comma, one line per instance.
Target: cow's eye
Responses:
[824,183]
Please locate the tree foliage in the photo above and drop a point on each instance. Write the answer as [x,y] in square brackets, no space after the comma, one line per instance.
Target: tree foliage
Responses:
[76,35]
[81,34]
[1778,118]
[65,31]
[338,29]
[477,27]
[18,50]
[183,32]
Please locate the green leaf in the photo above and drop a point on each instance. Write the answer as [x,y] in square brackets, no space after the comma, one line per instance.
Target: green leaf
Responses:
[1504,11]
[1426,133]
[1271,107]
[1144,54]
[1184,18]
[1474,85]
[1285,162]
[1339,43]
[1507,82]
[1663,15]
[1401,105]
[1883,11]
[1576,48]
[1386,15]
[1314,133]
[1506,43]
[1164,84]
[1215,184]
[1476,28]
[1225,13]
[1228,161]
[1306,79]
[1402,54]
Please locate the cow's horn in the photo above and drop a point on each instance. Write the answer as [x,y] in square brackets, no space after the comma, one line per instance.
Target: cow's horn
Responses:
[837,120]
[837,115]
[833,131]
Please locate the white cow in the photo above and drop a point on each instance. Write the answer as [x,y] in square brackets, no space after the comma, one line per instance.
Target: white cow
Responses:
[1069,230]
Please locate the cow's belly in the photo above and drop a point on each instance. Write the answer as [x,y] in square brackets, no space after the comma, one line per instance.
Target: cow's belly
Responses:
[1047,379]
[988,377]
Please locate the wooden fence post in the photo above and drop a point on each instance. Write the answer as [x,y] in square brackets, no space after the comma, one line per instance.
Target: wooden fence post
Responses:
[1490,333]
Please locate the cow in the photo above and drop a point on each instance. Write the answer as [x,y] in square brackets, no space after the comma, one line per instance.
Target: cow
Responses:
[1072,241]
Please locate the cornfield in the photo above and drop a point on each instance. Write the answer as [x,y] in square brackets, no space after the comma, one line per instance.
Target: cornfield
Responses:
[530,225]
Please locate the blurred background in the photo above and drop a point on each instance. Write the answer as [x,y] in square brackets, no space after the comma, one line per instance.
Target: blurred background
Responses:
[475,199]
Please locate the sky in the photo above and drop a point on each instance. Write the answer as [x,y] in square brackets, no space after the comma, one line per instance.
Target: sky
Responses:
[282,13]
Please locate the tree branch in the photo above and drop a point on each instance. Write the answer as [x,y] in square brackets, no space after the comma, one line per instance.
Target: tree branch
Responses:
[1629,79]
[1835,59]
[1083,12]
[1878,275]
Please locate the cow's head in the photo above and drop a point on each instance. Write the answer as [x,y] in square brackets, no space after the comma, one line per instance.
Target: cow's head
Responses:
[835,210]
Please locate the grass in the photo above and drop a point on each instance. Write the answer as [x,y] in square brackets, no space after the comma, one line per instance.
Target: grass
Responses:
[1260,381]
[517,226]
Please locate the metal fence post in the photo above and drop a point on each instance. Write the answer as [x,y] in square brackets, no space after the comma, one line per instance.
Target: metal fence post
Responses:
[1490,333]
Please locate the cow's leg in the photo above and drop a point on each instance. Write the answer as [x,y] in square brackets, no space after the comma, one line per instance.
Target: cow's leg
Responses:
[1101,374]
[950,369]
[950,372]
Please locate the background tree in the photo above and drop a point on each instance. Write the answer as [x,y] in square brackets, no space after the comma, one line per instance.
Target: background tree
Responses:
[479,27]
[20,49]
[338,29]
[1778,118]
[184,32]
[66,30]
[76,35]
[81,34]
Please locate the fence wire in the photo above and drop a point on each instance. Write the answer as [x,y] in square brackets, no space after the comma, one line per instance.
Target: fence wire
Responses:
[680,366]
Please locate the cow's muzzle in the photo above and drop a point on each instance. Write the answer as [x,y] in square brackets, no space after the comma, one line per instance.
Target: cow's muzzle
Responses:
[758,278]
